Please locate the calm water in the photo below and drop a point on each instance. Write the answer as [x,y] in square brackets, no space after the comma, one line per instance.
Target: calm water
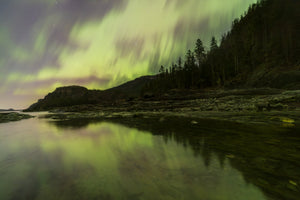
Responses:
[42,159]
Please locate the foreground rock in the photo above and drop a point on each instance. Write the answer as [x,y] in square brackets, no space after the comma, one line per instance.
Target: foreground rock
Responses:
[282,118]
[13,116]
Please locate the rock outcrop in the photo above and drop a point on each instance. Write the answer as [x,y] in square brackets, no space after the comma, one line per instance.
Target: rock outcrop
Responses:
[65,96]
[77,95]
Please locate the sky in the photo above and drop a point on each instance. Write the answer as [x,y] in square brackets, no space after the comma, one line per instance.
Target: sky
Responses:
[99,44]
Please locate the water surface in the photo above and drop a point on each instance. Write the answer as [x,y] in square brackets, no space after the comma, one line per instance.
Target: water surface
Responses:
[43,159]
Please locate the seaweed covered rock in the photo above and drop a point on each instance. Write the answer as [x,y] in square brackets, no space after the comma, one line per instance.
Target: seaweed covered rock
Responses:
[13,116]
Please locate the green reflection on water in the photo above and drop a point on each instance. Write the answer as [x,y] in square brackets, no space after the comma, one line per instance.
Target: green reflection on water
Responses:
[41,160]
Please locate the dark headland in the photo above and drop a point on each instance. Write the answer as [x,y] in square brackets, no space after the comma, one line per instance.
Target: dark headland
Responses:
[252,74]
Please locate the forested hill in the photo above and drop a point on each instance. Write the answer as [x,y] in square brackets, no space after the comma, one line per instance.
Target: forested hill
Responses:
[262,49]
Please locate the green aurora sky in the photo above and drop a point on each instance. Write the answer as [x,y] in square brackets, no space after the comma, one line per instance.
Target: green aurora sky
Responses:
[99,44]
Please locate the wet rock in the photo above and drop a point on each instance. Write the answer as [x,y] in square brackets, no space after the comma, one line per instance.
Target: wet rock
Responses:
[293,183]
[277,106]
[287,120]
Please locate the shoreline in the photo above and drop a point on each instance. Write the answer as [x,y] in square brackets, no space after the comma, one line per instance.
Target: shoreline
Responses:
[245,106]
[263,105]
[286,119]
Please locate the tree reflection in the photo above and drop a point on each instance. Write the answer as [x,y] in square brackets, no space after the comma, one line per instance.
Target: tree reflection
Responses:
[267,156]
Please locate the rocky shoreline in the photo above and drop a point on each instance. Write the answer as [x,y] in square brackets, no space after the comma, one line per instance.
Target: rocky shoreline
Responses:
[264,105]
[215,100]
[13,116]
[250,106]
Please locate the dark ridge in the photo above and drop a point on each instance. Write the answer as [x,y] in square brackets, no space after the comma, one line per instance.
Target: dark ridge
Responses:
[77,95]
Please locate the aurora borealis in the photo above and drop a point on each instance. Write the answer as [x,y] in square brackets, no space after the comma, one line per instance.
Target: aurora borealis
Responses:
[98,44]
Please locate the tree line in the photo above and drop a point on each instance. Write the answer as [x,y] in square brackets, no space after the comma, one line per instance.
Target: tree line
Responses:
[266,36]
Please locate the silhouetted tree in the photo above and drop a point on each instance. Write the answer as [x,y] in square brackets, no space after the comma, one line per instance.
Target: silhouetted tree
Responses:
[199,52]
[213,44]
[162,70]
[265,37]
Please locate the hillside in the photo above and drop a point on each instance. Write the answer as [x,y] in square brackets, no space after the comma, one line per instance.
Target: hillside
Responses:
[261,50]
[77,95]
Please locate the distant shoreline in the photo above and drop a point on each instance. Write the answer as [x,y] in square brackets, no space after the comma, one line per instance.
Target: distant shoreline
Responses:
[7,116]
[7,110]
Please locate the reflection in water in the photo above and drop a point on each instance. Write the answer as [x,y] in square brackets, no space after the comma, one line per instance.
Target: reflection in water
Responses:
[170,160]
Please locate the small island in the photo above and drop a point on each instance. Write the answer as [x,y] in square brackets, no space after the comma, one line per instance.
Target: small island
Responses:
[13,116]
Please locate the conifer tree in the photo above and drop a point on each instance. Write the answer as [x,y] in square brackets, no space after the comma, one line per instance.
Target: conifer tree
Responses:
[199,52]
[213,44]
